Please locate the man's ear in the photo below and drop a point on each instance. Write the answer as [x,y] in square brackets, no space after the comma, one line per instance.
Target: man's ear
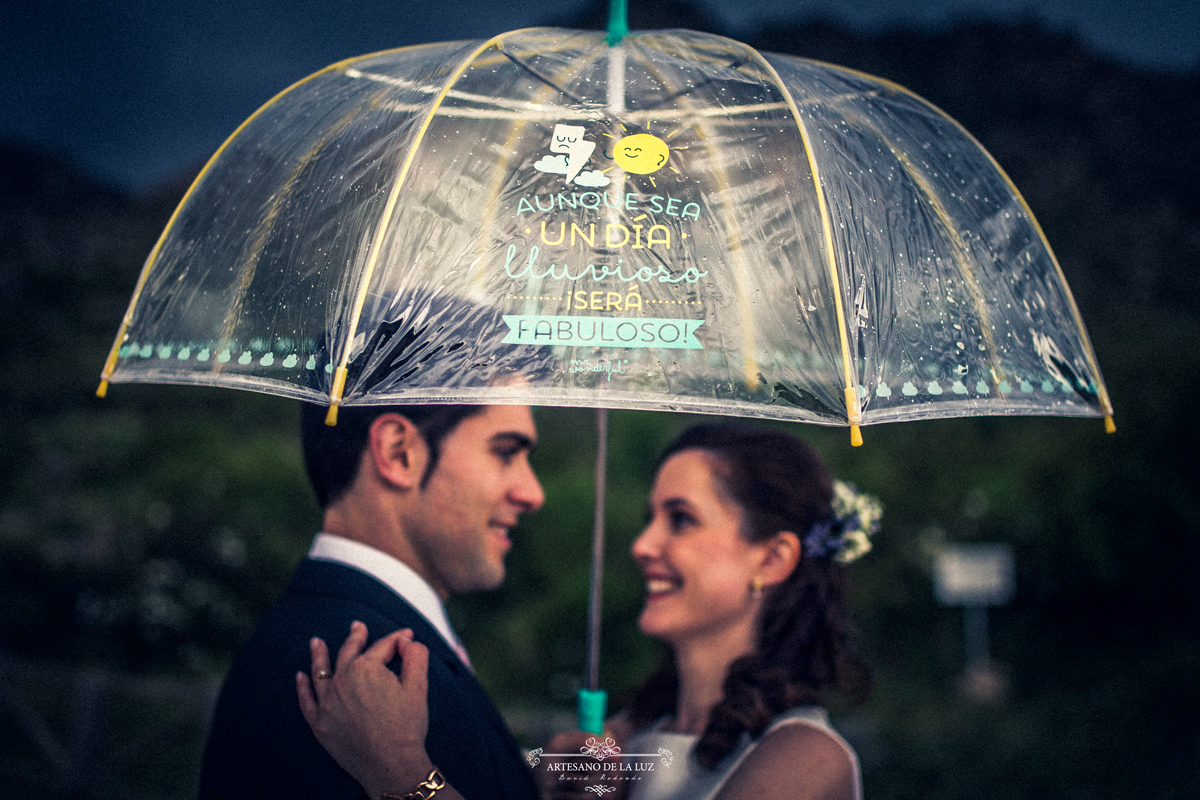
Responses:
[780,558]
[397,451]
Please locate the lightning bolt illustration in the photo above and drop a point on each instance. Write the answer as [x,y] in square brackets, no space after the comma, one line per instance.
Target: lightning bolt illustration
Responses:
[569,139]
[578,153]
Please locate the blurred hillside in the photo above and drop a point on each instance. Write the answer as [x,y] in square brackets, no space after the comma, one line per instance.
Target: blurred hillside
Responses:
[143,534]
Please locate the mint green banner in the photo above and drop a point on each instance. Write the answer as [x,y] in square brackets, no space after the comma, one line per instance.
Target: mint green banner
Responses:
[678,334]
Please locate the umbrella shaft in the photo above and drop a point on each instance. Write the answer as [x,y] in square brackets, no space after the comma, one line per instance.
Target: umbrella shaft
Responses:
[592,678]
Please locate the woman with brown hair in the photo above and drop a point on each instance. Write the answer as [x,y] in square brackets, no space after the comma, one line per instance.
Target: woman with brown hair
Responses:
[744,556]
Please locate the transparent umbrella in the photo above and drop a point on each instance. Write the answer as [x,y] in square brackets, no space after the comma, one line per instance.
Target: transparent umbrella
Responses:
[658,220]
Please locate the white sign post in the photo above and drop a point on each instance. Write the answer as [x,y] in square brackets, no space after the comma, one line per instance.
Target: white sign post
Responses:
[975,576]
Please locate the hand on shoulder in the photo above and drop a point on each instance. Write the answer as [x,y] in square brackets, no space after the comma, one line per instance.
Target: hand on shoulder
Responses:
[371,720]
[794,762]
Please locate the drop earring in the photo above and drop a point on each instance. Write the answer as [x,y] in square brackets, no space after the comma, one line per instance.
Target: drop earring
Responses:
[756,587]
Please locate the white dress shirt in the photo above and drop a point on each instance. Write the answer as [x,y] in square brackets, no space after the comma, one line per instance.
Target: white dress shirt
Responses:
[394,574]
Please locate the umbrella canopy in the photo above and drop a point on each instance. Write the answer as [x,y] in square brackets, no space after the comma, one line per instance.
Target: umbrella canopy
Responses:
[674,222]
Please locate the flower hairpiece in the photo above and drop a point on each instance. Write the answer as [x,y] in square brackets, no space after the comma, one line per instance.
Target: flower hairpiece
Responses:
[848,534]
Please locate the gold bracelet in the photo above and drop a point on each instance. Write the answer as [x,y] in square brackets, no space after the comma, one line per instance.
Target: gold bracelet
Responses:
[434,782]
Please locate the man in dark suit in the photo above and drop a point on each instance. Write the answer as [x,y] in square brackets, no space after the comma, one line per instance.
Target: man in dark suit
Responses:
[418,503]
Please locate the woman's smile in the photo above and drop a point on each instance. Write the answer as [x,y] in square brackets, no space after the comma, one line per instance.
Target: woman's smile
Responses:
[696,564]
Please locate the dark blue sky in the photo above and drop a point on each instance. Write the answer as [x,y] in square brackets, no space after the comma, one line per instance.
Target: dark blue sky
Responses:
[135,90]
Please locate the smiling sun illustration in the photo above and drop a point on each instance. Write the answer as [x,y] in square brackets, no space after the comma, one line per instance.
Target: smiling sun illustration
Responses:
[641,153]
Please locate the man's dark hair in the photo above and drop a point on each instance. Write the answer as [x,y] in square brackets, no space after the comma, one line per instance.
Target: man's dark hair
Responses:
[332,454]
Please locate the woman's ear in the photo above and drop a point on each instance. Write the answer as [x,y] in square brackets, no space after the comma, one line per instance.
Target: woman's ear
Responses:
[397,451]
[782,554]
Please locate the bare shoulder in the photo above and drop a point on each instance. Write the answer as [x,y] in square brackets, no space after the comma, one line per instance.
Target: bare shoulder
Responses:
[797,761]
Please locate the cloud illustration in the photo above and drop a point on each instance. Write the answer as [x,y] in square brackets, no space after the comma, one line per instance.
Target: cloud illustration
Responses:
[591,177]
[554,164]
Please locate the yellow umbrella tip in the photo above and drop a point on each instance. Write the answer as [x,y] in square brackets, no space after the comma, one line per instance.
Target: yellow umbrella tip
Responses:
[102,389]
[335,396]
[1109,425]
[856,439]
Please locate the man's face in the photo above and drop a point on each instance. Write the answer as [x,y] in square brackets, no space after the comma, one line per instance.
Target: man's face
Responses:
[480,486]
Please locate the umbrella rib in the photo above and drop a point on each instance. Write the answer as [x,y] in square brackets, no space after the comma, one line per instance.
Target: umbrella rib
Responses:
[525,110]
[339,380]
[1089,353]
[248,264]
[516,108]
[735,64]
[853,411]
[958,247]
[541,77]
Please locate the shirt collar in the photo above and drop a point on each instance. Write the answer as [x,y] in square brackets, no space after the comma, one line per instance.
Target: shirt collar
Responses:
[393,573]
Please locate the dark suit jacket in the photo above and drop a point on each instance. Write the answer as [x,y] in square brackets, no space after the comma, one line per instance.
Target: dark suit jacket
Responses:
[260,746]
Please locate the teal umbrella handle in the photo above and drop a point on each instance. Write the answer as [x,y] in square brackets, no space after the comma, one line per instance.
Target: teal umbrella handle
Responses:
[593,708]
[593,701]
[618,21]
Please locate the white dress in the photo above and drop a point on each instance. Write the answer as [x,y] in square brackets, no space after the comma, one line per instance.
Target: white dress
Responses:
[684,779]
